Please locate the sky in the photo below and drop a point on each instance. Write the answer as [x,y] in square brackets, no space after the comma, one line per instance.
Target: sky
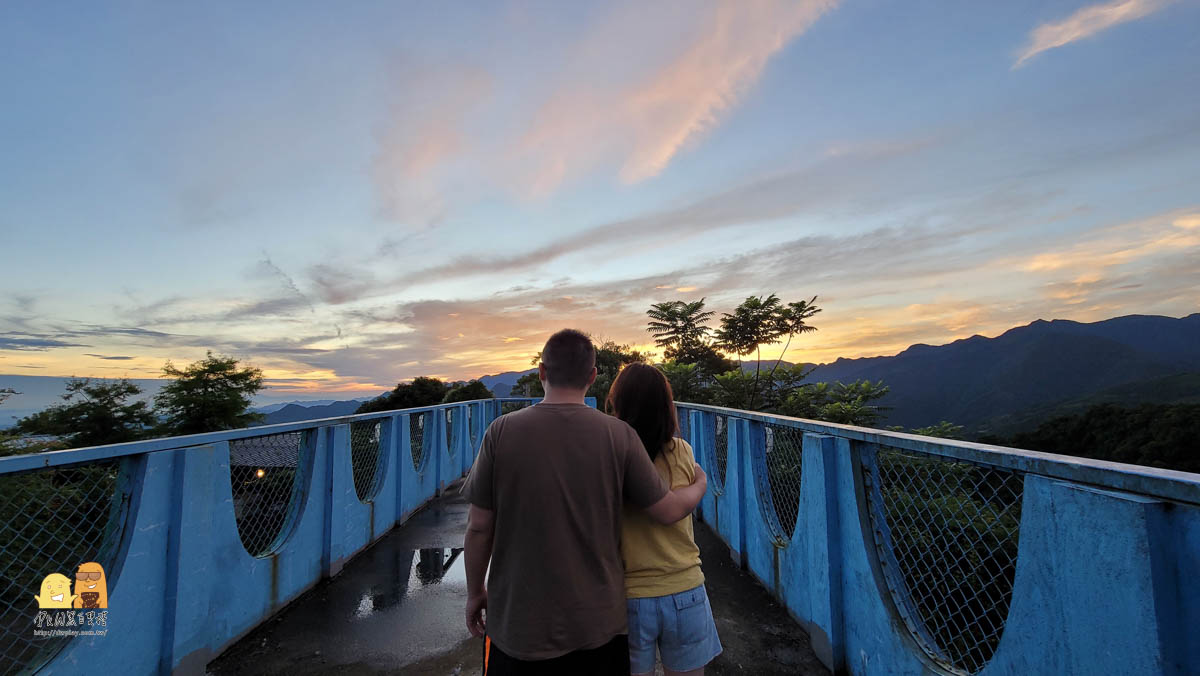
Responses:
[351,195]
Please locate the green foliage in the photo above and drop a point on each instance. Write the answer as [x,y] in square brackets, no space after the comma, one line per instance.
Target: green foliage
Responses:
[528,385]
[422,391]
[757,322]
[610,359]
[208,395]
[679,327]
[469,391]
[1154,435]
[943,430]
[93,412]
[686,380]
[6,392]
[848,404]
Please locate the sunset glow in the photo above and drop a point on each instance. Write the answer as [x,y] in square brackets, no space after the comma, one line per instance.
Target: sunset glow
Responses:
[349,198]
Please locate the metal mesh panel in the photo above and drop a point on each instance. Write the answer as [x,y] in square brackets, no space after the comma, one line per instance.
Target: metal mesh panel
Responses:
[365,456]
[262,473]
[416,438]
[450,431]
[948,541]
[51,521]
[685,430]
[721,445]
[784,446]
[510,406]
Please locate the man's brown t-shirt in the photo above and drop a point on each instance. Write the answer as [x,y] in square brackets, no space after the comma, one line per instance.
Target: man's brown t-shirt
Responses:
[556,476]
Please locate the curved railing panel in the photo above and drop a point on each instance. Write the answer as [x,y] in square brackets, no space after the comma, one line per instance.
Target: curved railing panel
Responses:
[783,459]
[450,450]
[416,439]
[264,474]
[367,458]
[948,532]
[51,521]
[721,446]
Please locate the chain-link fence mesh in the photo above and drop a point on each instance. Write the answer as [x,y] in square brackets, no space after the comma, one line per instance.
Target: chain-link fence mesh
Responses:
[450,431]
[416,438]
[952,527]
[510,406]
[51,521]
[262,473]
[685,425]
[783,456]
[721,445]
[365,457]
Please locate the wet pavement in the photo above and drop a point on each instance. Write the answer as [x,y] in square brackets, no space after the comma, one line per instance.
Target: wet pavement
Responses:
[397,608]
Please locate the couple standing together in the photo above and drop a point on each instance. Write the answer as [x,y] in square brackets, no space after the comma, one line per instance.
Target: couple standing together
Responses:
[585,520]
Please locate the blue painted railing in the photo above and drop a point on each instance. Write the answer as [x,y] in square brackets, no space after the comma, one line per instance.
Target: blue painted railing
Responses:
[900,554]
[903,554]
[204,537]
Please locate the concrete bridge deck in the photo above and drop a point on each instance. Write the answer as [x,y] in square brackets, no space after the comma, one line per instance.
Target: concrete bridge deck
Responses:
[397,608]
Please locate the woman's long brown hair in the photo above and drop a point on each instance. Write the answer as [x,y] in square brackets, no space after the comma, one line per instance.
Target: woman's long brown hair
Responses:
[641,396]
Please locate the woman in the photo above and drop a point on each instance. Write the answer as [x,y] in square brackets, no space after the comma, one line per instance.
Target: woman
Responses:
[664,587]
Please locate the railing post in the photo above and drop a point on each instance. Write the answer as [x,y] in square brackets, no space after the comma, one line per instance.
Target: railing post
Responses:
[399,450]
[822,456]
[1097,586]
[341,482]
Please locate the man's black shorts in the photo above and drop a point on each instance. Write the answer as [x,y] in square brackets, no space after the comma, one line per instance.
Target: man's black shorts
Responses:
[610,658]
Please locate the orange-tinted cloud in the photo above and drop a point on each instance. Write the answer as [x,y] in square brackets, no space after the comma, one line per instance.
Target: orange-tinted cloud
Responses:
[1085,23]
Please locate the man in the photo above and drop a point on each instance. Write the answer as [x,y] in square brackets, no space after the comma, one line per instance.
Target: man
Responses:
[546,493]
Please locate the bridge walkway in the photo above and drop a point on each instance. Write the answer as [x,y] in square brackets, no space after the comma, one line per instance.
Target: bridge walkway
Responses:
[397,609]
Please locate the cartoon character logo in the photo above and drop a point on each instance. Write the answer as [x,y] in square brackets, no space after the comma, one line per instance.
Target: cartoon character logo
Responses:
[56,592]
[91,589]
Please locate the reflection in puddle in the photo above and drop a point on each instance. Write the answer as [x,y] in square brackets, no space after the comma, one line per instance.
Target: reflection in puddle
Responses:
[409,575]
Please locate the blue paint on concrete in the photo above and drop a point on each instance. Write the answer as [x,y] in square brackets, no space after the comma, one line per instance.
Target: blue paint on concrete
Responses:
[1103,577]
[1107,557]
[184,588]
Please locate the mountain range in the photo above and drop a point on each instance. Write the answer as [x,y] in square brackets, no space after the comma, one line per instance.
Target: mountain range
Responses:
[992,385]
[995,385]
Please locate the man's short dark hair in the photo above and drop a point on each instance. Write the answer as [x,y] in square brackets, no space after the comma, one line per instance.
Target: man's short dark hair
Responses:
[569,358]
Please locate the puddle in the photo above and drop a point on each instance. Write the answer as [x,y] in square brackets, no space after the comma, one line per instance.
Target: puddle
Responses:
[441,567]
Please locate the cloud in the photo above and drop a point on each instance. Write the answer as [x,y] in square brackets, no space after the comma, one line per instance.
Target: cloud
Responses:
[646,119]
[623,99]
[1085,23]
[834,181]
[33,344]
[111,358]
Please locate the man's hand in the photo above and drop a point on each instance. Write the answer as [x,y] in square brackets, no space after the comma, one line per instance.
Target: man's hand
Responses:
[679,503]
[476,605]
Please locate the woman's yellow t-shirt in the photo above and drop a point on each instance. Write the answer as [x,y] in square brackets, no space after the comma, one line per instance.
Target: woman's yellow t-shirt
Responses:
[661,560]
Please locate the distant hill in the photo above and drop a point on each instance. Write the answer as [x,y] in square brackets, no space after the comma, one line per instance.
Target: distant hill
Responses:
[297,411]
[501,384]
[1008,379]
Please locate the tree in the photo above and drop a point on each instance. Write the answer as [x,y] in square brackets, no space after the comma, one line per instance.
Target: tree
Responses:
[686,381]
[529,385]
[848,404]
[757,322]
[6,392]
[610,359]
[467,392]
[422,391]
[943,430]
[94,412]
[208,395]
[679,327]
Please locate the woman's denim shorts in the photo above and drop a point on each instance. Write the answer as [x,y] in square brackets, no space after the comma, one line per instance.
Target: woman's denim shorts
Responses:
[681,627]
